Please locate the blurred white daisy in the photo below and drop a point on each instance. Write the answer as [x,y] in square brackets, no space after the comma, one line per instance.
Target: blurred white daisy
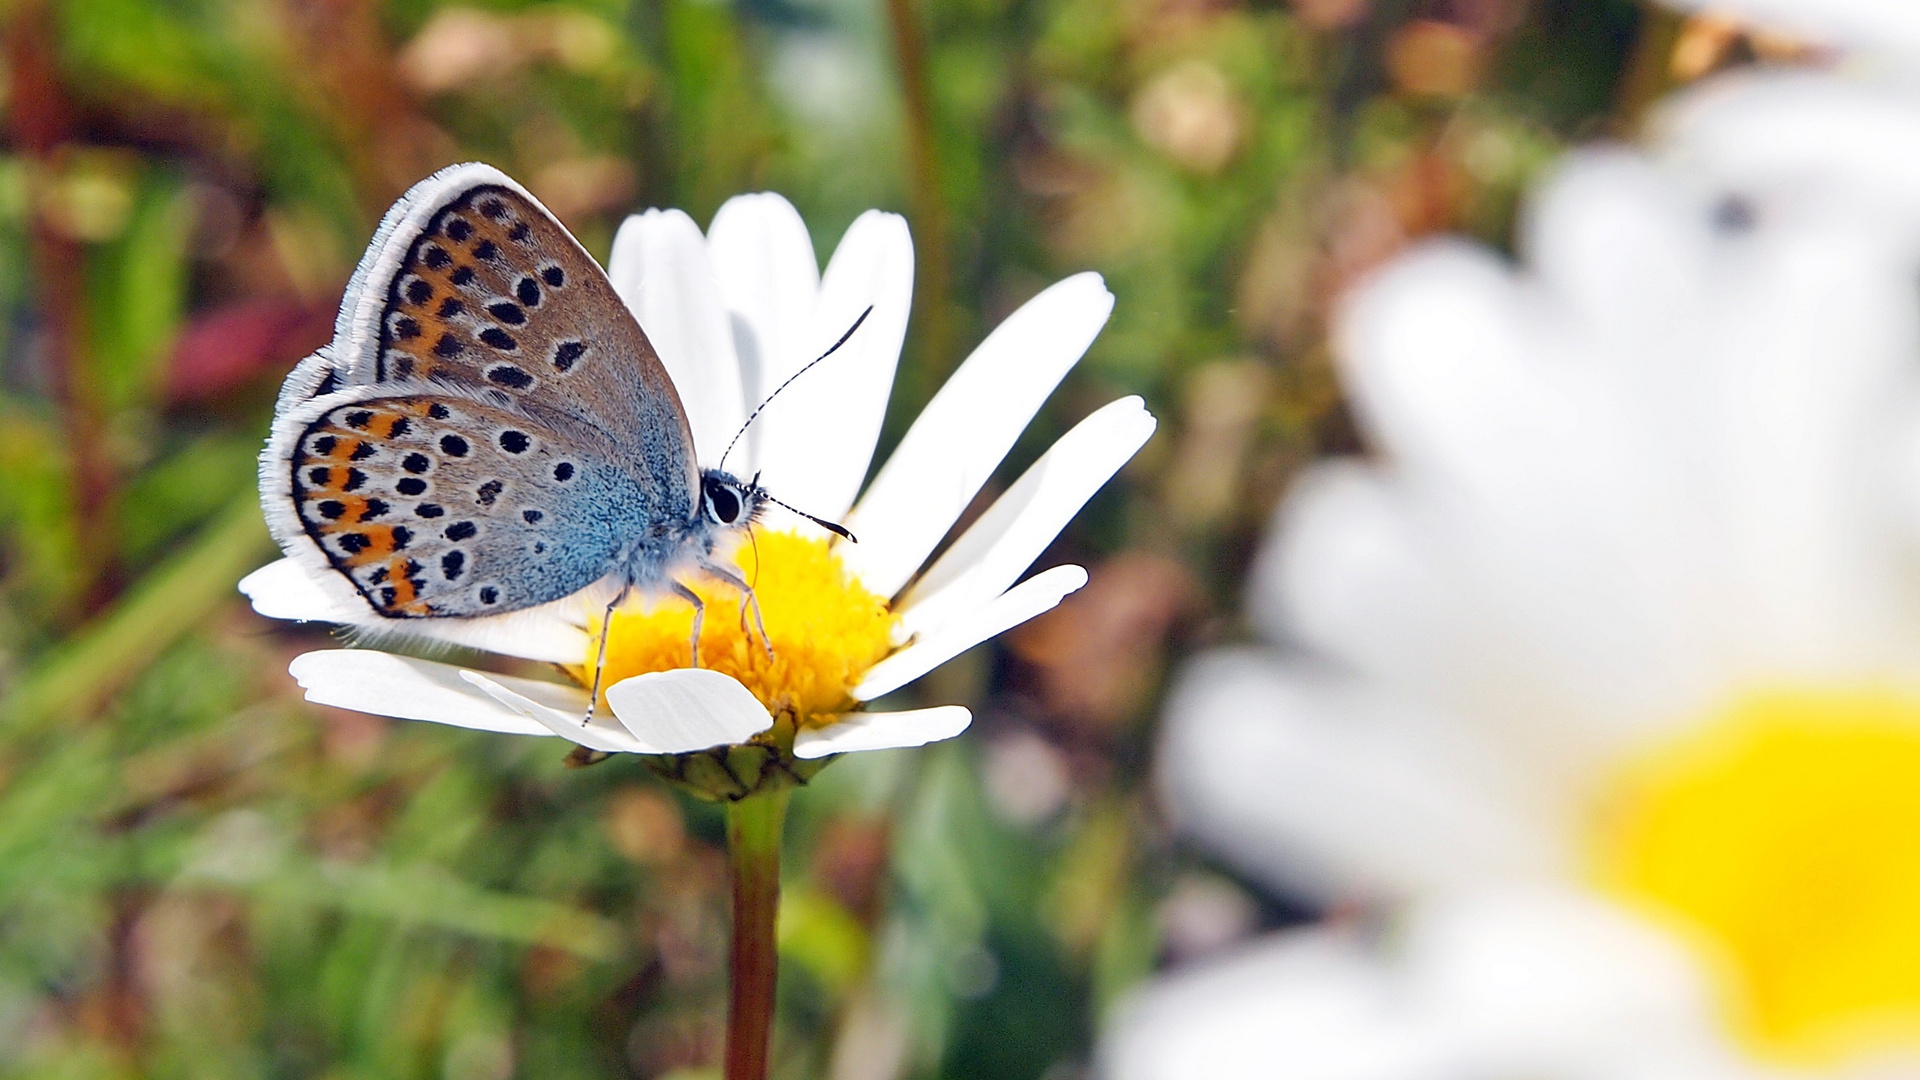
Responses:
[1602,680]
[732,315]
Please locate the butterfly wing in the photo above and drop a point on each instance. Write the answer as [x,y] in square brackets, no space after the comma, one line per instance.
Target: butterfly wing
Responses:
[443,506]
[473,300]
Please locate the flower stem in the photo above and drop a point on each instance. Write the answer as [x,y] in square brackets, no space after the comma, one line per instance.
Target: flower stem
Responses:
[754,827]
[927,201]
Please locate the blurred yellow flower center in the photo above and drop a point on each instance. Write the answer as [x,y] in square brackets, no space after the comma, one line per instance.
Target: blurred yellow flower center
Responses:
[826,630]
[1784,839]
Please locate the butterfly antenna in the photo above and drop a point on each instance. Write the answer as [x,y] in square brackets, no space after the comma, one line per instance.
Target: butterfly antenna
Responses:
[833,527]
[768,400]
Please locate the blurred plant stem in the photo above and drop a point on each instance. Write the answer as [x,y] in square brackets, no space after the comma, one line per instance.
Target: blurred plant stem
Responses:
[754,827]
[42,123]
[933,274]
[1649,72]
[172,600]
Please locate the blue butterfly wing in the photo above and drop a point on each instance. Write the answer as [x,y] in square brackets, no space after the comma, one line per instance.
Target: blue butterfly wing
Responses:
[476,318]
[440,506]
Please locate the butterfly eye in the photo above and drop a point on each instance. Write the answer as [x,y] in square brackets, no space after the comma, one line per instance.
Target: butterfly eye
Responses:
[723,503]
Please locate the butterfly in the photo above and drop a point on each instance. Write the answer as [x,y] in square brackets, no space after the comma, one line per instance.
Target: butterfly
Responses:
[490,430]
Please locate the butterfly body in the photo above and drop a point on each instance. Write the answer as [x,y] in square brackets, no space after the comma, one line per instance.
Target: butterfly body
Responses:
[489,430]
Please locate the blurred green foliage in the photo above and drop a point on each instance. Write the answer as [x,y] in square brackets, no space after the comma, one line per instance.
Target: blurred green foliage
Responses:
[202,876]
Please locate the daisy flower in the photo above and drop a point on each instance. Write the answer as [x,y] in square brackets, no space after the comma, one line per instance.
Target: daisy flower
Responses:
[732,315]
[1600,681]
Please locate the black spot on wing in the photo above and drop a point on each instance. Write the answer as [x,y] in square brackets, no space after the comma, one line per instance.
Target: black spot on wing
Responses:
[508,375]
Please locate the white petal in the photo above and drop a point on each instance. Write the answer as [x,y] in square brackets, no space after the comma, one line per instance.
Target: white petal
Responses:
[1625,248]
[1534,479]
[1323,785]
[883,731]
[1548,974]
[1803,145]
[1870,25]
[285,589]
[1530,985]
[1011,608]
[769,279]
[367,680]
[661,268]
[968,428]
[560,716]
[817,437]
[996,549]
[1306,1005]
[687,709]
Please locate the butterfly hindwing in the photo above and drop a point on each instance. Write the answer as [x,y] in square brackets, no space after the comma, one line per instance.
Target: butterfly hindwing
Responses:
[438,505]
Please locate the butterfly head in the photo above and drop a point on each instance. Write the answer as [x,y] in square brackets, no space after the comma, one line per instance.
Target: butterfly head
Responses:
[730,503]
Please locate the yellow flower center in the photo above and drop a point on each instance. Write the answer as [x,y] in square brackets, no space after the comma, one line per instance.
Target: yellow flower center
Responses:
[1784,840]
[826,630]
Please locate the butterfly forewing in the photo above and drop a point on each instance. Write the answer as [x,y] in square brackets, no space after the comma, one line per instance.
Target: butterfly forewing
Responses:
[489,291]
[444,506]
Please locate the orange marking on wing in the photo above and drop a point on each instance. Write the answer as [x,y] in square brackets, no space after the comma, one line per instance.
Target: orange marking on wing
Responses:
[403,591]
[379,545]
[356,508]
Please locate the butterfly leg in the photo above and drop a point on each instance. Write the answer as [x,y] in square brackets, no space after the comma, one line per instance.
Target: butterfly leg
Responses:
[600,655]
[752,604]
[699,616]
